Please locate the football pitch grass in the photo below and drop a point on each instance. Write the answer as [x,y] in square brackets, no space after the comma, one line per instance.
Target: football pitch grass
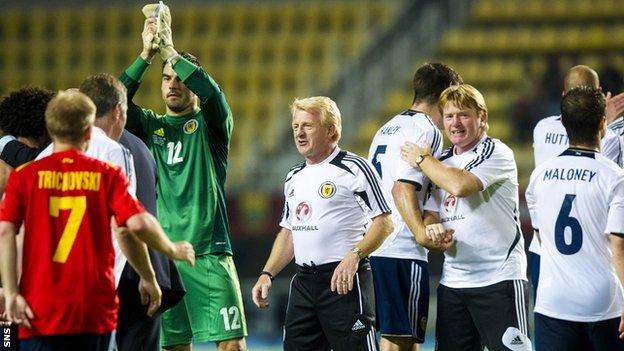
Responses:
[276,346]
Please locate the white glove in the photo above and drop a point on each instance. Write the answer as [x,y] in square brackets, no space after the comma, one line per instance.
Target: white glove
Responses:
[161,12]
[165,46]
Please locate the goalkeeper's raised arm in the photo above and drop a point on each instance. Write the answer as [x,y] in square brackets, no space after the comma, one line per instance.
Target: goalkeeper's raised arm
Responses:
[185,87]
[190,143]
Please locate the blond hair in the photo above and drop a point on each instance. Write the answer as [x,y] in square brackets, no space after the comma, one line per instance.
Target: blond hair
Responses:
[68,115]
[465,96]
[323,107]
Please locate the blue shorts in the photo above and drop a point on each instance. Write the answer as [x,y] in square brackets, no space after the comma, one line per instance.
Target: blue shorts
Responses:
[534,267]
[558,334]
[401,296]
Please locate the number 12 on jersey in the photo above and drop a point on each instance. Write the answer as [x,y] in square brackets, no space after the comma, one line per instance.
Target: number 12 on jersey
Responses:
[173,156]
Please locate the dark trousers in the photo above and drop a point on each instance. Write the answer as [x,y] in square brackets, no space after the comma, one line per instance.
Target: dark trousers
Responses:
[318,319]
[471,318]
[135,330]
[67,342]
[553,334]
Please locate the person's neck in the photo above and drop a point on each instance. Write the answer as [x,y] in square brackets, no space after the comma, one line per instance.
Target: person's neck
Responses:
[460,150]
[192,108]
[430,110]
[320,157]
[586,146]
[105,123]
[60,146]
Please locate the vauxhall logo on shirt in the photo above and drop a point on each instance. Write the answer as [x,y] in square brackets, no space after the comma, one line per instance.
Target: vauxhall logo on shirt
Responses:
[450,202]
[450,205]
[303,212]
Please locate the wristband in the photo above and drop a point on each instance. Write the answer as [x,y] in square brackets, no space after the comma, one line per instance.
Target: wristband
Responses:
[268,273]
[358,252]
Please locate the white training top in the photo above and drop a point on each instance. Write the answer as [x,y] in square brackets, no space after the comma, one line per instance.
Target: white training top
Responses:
[327,206]
[575,201]
[550,139]
[617,126]
[385,155]
[103,148]
[489,247]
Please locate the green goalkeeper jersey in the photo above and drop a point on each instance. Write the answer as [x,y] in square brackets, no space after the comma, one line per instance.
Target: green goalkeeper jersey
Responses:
[191,156]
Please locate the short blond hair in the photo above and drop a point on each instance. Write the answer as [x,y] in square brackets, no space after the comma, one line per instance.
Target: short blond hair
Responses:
[68,115]
[323,107]
[465,96]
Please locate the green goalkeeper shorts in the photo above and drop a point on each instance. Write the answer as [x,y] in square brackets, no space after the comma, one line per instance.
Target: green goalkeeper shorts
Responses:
[212,309]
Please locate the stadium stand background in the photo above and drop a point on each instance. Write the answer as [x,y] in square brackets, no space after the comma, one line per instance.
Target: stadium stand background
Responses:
[361,53]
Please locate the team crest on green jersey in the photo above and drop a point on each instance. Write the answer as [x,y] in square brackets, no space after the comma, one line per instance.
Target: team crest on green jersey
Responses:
[190,126]
[327,190]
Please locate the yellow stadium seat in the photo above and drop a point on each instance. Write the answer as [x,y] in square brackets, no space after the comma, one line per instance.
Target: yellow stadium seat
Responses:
[596,37]
[263,54]
[485,10]
[616,37]
[532,10]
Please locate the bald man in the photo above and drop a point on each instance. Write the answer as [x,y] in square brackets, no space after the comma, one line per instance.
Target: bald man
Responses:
[550,140]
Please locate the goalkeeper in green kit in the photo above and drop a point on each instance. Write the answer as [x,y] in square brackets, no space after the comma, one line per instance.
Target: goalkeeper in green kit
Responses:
[190,144]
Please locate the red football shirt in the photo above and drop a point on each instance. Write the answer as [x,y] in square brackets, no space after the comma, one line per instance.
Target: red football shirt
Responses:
[66,202]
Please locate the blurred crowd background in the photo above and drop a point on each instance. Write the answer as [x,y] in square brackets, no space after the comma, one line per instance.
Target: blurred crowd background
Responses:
[361,53]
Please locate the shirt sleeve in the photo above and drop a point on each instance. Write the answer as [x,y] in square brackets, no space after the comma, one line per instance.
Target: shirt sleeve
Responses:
[432,200]
[494,162]
[537,158]
[122,203]
[367,189]
[611,147]
[531,200]
[16,153]
[615,219]
[123,158]
[12,208]
[414,175]
[286,221]
[215,109]
[137,116]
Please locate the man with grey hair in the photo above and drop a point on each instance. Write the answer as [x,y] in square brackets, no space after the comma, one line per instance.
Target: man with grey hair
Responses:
[329,199]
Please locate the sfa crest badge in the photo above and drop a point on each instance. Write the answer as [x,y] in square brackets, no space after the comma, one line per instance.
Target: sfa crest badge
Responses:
[327,190]
[190,126]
